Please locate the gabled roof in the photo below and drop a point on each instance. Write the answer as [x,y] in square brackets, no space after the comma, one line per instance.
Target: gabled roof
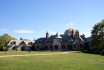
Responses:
[83,37]
[28,43]
[17,42]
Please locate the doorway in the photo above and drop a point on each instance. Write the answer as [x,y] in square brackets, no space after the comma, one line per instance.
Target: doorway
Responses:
[22,48]
[56,47]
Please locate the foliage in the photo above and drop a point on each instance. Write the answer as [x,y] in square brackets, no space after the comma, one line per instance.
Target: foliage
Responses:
[21,38]
[3,41]
[98,36]
[68,31]
[71,61]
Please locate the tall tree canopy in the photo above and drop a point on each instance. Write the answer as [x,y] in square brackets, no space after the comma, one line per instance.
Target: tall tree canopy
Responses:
[68,31]
[98,36]
[3,40]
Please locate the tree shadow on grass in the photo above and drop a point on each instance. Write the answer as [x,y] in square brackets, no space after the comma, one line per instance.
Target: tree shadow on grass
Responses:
[92,52]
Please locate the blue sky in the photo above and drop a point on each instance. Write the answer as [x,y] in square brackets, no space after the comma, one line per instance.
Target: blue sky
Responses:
[31,19]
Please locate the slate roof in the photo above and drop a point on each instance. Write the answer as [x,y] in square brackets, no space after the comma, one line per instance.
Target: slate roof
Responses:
[42,40]
[52,37]
[83,38]
[63,36]
[89,39]
[66,37]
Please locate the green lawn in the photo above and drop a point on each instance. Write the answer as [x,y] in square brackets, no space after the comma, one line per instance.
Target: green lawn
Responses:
[26,52]
[71,61]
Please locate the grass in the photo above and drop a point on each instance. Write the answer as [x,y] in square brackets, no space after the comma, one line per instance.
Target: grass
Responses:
[71,61]
[25,52]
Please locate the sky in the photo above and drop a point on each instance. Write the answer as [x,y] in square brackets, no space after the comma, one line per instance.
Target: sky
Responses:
[31,19]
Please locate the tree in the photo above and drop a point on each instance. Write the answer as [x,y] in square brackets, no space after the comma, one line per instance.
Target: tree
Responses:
[21,38]
[2,45]
[3,41]
[98,36]
[68,31]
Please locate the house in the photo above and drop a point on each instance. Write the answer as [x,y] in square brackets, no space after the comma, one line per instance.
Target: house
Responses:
[61,42]
[88,44]
[19,45]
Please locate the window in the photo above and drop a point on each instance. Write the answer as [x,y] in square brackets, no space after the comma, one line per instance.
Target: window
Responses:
[81,45]
[63,46]
[30,43]
[13,42]
[74,46]
[14,48]
[69,46]
[56,47]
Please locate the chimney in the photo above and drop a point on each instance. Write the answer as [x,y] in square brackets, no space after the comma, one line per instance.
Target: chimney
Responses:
[77,33]
[73,32]
[47,35]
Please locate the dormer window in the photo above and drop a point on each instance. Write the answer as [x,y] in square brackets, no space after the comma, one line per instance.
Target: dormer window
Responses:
[10,42]
[13,42]
[40,41]
[30,43]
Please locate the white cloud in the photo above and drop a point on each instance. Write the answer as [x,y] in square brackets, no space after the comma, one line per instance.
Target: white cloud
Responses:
[24,31]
